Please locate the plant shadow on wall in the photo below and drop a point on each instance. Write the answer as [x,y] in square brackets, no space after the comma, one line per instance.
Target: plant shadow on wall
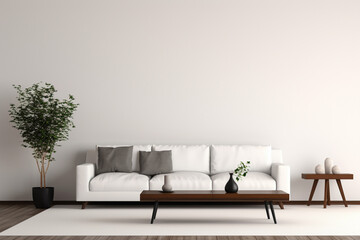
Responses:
[43,121]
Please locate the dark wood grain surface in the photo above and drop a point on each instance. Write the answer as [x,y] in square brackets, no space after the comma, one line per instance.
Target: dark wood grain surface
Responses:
[182,238]
[14,213]
[214,196]
[327,176]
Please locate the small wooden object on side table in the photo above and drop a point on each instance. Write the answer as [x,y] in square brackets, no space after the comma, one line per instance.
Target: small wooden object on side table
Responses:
[327,177]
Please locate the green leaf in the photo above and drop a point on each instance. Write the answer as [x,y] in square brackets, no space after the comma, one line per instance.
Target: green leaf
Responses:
[42,119]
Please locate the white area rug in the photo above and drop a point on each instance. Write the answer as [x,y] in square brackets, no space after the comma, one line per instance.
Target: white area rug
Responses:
[191,220]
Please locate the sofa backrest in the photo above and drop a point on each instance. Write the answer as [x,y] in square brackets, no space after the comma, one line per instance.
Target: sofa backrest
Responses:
[207,159]
[225,158]
[188,157]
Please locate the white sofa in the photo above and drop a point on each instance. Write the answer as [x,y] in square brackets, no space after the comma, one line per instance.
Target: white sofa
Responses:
[196,167]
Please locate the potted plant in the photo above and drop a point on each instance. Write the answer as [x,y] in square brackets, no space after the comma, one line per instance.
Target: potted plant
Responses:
[240,172]
[43,121]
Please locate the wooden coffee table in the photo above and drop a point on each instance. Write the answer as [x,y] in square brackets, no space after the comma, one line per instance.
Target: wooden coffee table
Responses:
[215,196]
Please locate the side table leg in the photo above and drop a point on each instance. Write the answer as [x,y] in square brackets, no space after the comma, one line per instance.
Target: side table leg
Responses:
[326,191]
[267,210]
[312,191]
[156,204]
[341,191]
[281,205]
[272,211]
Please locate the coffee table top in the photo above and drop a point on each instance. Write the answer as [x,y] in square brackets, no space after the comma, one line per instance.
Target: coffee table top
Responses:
[327,176]
[266,195]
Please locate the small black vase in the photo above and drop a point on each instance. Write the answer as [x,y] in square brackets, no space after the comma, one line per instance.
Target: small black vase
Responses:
[43,197]
[231,186]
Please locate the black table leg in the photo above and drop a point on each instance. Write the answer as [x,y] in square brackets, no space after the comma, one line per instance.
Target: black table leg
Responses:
[267,209]
[272,211]
[156,204]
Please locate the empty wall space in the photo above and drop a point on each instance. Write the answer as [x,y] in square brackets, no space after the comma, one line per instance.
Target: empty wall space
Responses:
[187,72]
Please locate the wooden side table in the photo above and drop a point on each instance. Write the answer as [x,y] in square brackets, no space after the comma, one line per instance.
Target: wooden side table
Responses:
[327,177]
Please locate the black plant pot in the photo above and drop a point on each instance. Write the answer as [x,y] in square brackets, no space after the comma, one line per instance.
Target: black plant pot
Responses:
[231,186]
[43,197]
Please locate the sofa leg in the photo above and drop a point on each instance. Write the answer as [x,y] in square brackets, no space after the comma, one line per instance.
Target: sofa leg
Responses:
[83,205]
[281,205]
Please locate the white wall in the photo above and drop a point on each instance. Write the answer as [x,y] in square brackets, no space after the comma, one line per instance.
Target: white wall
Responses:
[277,72]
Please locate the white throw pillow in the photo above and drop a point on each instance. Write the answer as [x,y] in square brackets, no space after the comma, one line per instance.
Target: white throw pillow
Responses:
[225,158]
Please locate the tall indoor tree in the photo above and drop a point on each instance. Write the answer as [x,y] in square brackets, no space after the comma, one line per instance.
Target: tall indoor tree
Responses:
[43,121]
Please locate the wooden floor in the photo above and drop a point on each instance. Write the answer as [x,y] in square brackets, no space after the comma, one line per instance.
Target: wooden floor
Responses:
[182,238]
[14,213]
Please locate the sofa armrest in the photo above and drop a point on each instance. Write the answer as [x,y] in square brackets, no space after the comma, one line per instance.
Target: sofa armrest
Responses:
[84,173]
[281,173]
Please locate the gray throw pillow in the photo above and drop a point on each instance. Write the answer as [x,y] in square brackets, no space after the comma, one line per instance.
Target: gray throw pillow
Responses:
[155,162]
[116,159]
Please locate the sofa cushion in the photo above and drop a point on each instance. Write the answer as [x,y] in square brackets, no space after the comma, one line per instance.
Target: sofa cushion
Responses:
[155,162]
[135,154]
[188,158]
[183,181]
[225,158]
[119,181]
[252,181]
[114,159]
